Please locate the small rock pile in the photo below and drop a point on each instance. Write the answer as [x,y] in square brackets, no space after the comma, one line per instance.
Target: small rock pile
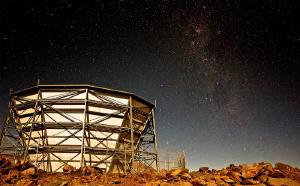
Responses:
[22,173]
[259,174]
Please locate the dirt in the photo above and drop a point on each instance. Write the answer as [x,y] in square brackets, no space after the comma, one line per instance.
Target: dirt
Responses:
[21,173]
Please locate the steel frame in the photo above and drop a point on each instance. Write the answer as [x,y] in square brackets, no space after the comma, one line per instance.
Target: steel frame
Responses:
[136,144]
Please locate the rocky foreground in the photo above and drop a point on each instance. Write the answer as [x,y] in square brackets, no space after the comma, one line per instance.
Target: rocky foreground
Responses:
[259,174]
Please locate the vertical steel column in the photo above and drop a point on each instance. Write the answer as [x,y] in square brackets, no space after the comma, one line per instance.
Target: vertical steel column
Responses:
[131,131]
[31,128]
[6,121]
[125,160]
[155,139]
[82,159]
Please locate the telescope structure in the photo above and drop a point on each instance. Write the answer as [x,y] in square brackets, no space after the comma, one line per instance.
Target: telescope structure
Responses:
[81,125]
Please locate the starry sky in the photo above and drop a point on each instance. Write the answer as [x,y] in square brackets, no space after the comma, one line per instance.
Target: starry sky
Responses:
[225,74]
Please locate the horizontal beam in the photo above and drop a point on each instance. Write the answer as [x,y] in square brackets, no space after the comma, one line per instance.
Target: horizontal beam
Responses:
[76,125]
[88,150]
[52,160]
[71,111]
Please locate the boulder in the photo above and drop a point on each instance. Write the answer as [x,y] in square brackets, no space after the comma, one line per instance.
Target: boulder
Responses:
[29,172]
[262,178]
[17,162]
[4,163]
[219,180]
[204,169]
[152,183]
[163,173]
[177,172]
[197,182]
[89,170]
[288,171]
[250,181]
[12,176]
[165,184]
[186,176]
[282,181]
[149,174]
[185,183]
[25,182]
[69,168]
[251,171]
[227,179]
[211,183]
[235,176]
[64,183]
[234,168]
[283,167]
[25,165]
[268,167]
[276,174]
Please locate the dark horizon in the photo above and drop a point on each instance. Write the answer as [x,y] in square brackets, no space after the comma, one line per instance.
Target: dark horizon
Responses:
[225,74]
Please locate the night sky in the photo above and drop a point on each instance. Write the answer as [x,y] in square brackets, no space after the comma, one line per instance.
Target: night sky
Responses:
[225,74]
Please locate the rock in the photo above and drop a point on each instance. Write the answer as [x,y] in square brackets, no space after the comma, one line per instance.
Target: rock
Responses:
[25,166]
[17,162]
[12,176]
[25,182]
[223,172]
[204,169]
[227,179]
[4,162]
[234,176]
[163,173]
[288,171]
[57,182]
[64,183]
[29,172]
[165,184]
[197,182]
[69,168]
[89,170]
[21,165]
[250,182]
[149,174]
[186,184]
[261,174]
[262,178]
[219,180]
[186,176]
[282,181]
[268,167]
[283,167]
[251,171]
[211,183]
[152,183]
[177,172]
[5,166]
[234,168]
[276,174]
[116,181]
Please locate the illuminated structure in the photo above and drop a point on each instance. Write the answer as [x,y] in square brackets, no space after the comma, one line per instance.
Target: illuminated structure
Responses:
[80,125]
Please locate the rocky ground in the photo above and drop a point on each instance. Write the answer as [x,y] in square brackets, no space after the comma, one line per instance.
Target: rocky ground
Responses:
[259,174]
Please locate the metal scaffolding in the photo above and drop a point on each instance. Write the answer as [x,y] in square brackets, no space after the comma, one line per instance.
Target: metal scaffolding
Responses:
[171,159]
[80,125]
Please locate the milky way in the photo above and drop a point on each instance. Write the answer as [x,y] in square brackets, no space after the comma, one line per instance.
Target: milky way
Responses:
[225,74]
